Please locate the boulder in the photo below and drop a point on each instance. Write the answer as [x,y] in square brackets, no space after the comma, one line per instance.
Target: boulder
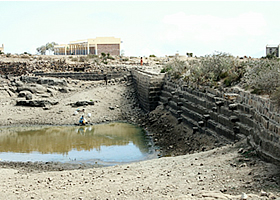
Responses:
[63,90]
[33,88]
[26,94]
[52,81]
[82,103]
[35,103]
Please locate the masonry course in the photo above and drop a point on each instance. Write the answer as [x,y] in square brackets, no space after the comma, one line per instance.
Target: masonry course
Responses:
[229,112]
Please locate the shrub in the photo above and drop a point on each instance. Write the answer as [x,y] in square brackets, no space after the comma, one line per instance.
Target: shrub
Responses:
[166,69]
[262,76]
[213,68]
[176,68]
[152,56]
[103,54]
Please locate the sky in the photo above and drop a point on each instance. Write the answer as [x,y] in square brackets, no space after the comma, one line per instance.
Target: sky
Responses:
[145,27]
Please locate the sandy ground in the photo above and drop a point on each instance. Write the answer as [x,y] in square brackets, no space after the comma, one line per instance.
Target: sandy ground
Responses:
[221,173]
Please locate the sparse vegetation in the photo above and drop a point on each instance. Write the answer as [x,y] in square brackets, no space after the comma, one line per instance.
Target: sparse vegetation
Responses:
[176,68]
[152,56]
[105,56]
[260,76]
[190,54]
[47,47]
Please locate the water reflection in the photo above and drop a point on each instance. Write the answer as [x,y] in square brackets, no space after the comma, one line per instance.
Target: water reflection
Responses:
[93,142]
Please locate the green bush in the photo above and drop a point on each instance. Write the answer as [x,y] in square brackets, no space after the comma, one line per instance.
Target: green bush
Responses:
[166,69]
[262,76]
[176,68]
[152,56]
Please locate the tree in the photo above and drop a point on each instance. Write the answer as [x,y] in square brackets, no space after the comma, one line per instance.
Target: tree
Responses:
[42,50]
[50,46]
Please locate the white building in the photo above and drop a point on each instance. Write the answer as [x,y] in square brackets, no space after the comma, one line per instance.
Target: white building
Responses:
[273,50]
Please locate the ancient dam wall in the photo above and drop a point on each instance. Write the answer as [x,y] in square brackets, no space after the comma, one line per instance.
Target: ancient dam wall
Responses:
[148,86]
[230,113]
[85,76]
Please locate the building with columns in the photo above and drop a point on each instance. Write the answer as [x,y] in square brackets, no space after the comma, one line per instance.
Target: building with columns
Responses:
[2,48]
[94,46]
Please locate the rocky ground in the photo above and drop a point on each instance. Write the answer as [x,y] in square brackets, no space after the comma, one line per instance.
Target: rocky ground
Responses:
[191,166]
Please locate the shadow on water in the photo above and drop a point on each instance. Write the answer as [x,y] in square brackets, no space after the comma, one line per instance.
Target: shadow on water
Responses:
[104,143]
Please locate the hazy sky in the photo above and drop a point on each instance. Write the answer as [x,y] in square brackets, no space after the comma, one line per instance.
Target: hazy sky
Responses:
[145,27]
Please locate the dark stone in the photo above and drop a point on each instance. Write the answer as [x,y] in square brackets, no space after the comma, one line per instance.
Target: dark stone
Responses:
[233,106]
[195,129]
[63,90]
[206,116]
[214,109]
[35,103]
[180,104]
[201,123]
[82,103]
[233,119]
[28,96]
[219,103]
[236,129]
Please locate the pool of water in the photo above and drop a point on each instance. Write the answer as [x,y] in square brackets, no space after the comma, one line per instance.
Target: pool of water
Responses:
[104,144]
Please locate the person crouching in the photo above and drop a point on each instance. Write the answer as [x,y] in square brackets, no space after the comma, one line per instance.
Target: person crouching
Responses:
[83,120]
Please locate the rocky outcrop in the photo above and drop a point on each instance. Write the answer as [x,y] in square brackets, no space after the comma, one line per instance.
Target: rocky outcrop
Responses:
[82,103]
[35,103]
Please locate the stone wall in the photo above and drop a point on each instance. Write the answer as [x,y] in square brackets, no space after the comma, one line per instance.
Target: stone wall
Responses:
[86,76]
[231,113]
[148,86]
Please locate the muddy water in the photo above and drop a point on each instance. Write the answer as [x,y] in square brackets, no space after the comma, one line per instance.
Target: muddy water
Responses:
[104,144]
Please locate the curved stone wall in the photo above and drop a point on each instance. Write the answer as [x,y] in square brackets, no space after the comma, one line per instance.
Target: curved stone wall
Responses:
[231,113]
